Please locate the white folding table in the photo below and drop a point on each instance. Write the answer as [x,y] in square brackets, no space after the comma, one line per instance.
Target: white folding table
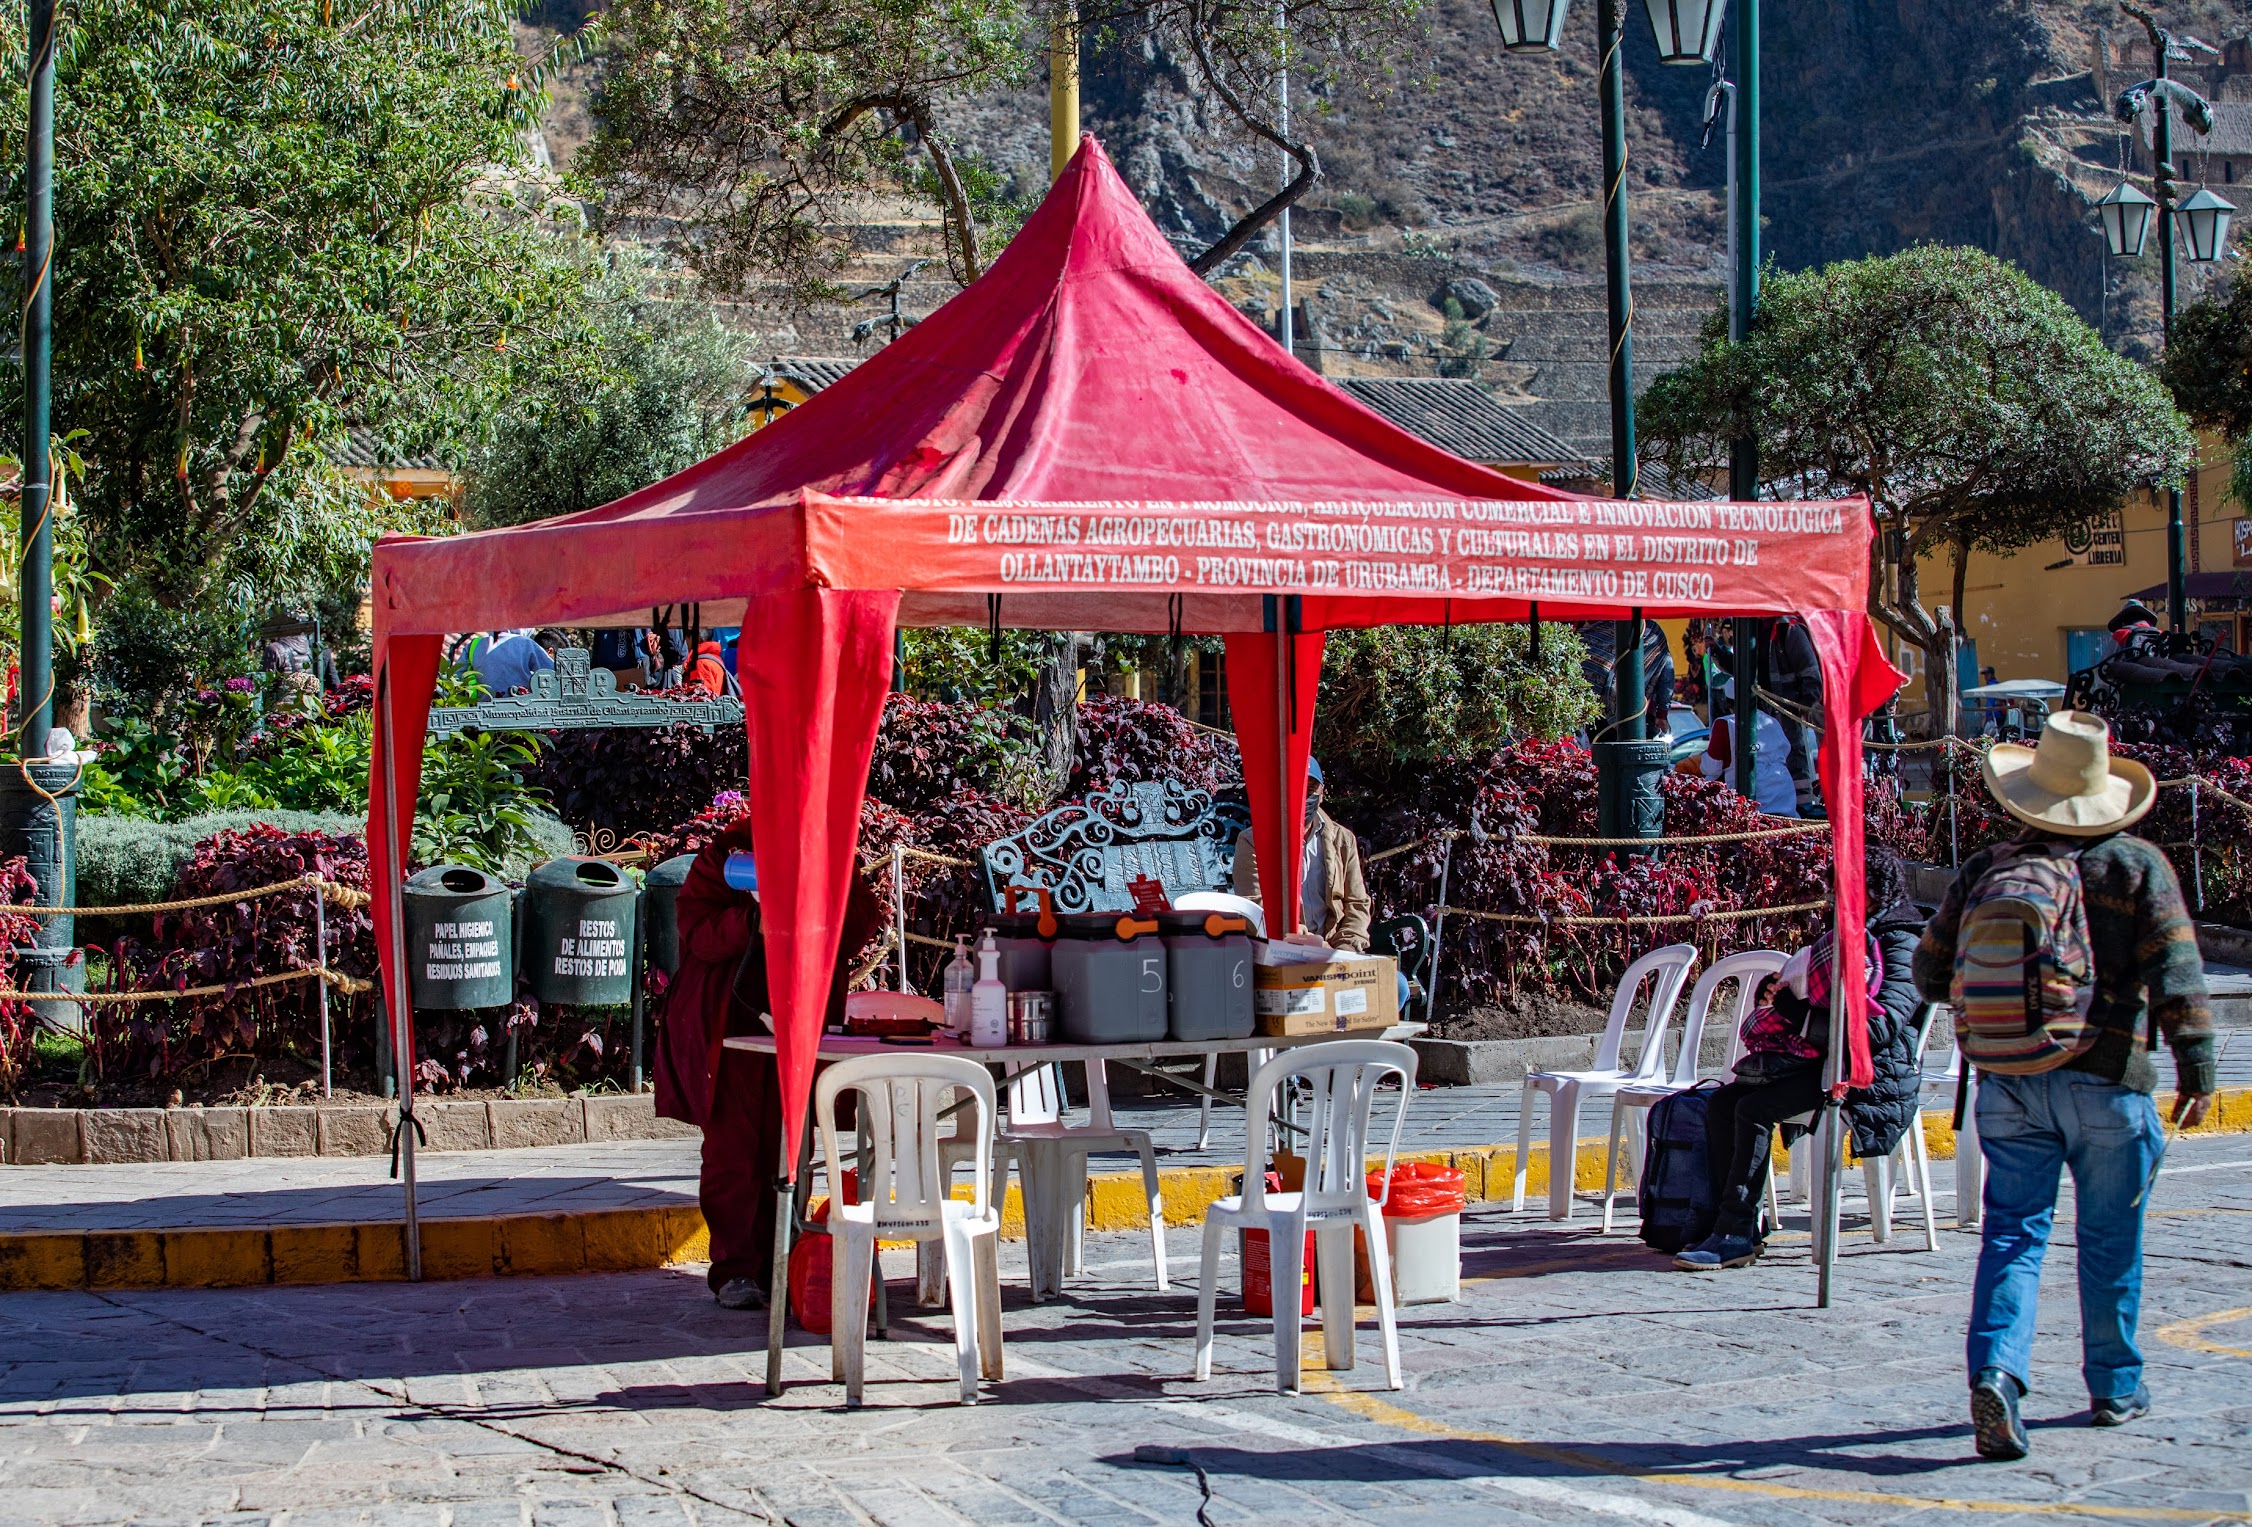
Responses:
[1048,1256]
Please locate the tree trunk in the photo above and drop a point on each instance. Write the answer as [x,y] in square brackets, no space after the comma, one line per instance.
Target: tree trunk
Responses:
[1939,680]
[1055,705]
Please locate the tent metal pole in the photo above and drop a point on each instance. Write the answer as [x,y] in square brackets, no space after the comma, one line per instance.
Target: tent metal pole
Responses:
[1830,1131]
[402,1008]
[1286,894]
[778,1279]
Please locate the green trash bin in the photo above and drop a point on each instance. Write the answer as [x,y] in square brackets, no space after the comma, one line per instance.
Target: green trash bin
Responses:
[461,942]
[578,933]
[660,890]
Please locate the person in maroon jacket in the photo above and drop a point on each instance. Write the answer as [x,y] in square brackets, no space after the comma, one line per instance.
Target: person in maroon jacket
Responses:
[734,1096]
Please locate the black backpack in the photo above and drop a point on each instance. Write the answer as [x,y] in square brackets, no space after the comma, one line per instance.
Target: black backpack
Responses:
[1674,1194]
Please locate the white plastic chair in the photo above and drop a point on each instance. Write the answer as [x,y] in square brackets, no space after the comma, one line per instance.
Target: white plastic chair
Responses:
[1341,1077]
[1970,1163]
[1051,1158]
[903,1197]
[1911,1158]
[1882,1176]
[1630,1105]
[1666,971]
[1241,906]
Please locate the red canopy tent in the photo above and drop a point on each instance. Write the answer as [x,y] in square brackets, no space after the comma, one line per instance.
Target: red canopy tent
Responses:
[1088,437]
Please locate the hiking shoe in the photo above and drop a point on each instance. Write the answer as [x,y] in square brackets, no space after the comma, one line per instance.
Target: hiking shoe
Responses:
[1994,1423]
[1718,1251]
[740,1294]
[2120,1410]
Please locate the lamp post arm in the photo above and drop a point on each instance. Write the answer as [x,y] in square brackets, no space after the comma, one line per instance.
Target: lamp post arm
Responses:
[2156,95]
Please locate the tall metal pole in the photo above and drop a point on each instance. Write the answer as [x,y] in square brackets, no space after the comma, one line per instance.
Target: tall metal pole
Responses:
[1286,329]
[36,672]
[1627,762]
[1063,90]
[2162,148]
[1743,452]
[1618,286]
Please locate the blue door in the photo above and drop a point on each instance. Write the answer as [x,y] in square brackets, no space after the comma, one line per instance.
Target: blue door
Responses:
[2086,646]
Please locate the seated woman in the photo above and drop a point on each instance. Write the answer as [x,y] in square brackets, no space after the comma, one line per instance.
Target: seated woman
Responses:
[1780,1074]
[734,1096]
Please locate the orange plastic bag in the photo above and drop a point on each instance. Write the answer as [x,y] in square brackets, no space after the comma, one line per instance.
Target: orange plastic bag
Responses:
[813,1269]
[1420,1189]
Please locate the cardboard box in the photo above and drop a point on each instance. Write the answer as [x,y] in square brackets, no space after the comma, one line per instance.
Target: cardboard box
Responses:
[1353,993]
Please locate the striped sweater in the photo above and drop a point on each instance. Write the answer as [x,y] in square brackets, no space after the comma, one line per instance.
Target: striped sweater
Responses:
[2146,957]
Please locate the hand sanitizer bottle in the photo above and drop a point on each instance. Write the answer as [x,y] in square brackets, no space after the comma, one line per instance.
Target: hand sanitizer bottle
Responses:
[961,975]
[989,999]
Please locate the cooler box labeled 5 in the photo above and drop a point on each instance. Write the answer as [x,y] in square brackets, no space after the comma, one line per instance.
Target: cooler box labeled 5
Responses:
[1345,993]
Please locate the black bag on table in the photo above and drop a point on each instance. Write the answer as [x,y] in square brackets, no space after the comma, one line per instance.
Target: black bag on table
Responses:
[1674,1191]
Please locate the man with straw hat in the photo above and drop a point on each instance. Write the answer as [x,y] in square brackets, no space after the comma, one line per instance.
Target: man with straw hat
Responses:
[2057,952]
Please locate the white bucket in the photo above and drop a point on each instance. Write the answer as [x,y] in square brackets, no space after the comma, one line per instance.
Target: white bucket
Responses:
[1426,1258]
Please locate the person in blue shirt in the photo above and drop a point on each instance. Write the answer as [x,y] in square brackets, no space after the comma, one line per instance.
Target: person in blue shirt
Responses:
[508,664]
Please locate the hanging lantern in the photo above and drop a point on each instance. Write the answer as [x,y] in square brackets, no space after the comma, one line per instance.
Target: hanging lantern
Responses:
[1530,26]
[2202,223]
[2126,220]
[1688,31]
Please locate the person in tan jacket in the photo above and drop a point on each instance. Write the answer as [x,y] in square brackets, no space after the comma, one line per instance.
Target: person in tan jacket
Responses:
[1333,898]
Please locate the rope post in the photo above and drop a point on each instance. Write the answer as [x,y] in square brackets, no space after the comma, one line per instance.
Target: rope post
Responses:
[899,910]
[1439,926]
[1954,837]
[2196,853]
[320,962]
[640,930]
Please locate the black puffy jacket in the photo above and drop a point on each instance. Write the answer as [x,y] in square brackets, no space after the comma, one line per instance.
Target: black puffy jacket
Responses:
[1882,1112]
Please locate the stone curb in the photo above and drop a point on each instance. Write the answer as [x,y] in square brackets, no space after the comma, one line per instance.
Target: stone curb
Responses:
[628,1240]
[120,1136]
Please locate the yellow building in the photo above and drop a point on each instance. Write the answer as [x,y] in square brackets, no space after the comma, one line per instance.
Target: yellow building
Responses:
[2041,612]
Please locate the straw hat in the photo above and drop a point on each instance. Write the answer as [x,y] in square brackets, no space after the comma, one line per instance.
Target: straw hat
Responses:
[2070,784]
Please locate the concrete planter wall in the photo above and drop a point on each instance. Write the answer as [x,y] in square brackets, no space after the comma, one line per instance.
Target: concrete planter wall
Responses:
[110,1136]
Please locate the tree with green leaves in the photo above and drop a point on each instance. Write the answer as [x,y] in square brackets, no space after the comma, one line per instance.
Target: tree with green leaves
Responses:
[276,219]
[2208,364]
[755,125]
[1970,404]
[754,128]
[669,386]
[1401,698]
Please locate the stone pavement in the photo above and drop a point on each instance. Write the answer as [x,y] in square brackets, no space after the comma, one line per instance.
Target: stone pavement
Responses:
[1578,1381]
[632,1174]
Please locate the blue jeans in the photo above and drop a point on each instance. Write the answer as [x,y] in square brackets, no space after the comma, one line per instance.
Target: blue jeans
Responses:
[2029,1127]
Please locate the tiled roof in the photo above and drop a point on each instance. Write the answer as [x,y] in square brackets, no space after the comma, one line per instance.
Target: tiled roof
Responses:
[1653,481]
[811,372]
[1460,416]
[2231,135]
[363,448]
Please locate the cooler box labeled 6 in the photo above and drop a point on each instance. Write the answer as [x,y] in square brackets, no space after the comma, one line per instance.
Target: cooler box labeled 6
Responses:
[1340,995]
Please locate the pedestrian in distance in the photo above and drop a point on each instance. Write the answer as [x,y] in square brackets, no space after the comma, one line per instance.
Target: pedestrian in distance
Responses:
[2064,955]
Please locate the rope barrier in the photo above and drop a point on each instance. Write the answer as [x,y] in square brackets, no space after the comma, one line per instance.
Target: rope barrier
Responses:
[349,985]
[873,860]
[1621,920]
[339,895]
[1691,840]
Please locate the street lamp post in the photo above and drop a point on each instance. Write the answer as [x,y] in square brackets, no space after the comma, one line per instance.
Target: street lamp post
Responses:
[2201,221]
[35,664]
[1627,761]
[38,804]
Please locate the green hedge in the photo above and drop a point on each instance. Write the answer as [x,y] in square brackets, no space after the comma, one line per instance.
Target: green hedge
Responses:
[125,860]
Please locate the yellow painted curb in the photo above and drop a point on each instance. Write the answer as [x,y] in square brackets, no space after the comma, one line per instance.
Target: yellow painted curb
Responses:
[624,1240]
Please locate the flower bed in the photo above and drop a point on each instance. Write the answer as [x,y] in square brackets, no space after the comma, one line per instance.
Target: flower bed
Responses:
[1540,789]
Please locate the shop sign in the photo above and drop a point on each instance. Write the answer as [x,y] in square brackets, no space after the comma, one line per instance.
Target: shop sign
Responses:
[2097,542]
